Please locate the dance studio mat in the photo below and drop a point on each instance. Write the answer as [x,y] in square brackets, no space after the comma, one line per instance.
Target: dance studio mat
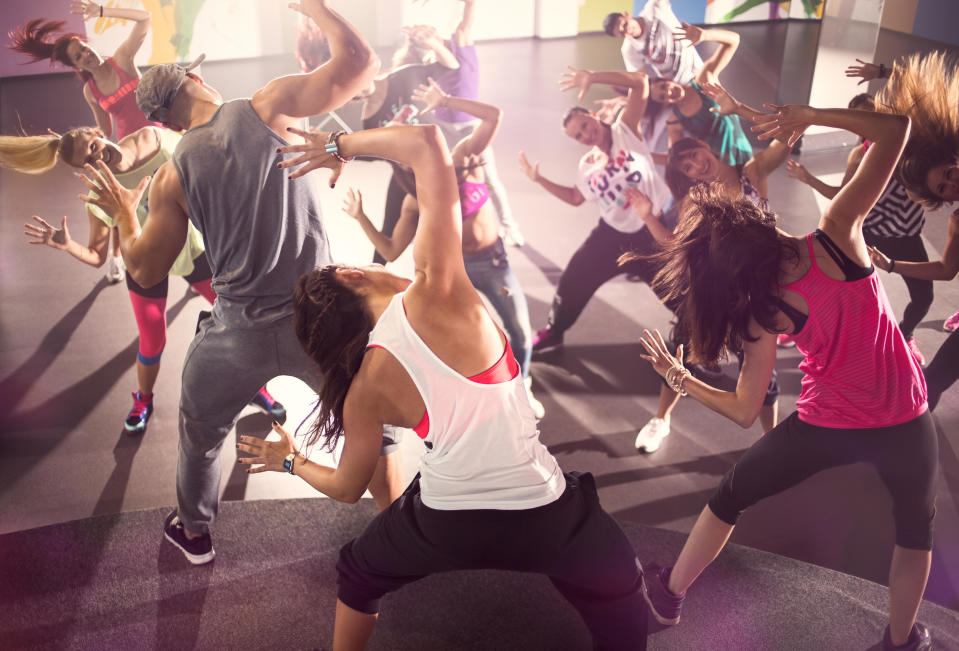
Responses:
[111,582]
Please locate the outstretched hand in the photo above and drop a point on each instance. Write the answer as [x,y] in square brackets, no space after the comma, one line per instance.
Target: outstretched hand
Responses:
[353,203]
[85,8]
[532,171]
[658,352]
[312,155]
[689,33]
[308,7]
[44,233]
[639,202]
[429,94]
[575,78]
[868,71]
[727,104]
[786,123]
[797,170]
[269,455]
[107,193]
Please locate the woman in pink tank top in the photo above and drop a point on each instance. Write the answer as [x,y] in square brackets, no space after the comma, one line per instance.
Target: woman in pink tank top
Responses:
[863,395]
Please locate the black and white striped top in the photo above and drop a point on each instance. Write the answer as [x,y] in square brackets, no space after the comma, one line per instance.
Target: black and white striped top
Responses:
[895,214]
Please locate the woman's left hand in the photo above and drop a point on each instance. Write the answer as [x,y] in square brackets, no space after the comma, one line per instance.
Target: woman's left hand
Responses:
[269,455]
[312,155]
[658,352]
[575,78]
[86,9]
[726,103]
[115,200]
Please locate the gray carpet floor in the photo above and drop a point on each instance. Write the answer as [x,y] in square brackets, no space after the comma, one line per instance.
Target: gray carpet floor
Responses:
[111,582]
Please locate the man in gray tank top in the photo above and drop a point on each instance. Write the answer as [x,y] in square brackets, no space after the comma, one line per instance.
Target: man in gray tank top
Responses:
[262,232]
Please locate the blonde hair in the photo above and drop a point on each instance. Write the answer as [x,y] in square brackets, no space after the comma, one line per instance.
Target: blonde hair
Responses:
[37,154]
[925,88]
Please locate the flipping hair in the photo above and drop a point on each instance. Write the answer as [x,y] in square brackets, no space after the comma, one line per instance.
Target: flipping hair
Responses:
[720,271]
[679,184]
[925,88]
[34,40]
[333,327]
[37,154]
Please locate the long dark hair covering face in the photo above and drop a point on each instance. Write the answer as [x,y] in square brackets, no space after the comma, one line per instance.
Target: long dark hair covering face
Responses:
[333,327]
[34,40]
[720,271]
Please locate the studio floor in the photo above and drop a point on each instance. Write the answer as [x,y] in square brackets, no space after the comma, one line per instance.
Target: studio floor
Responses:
[68,343]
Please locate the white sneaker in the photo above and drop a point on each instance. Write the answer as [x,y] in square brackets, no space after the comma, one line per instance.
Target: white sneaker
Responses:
[651,436]
[115,268]
[538,409]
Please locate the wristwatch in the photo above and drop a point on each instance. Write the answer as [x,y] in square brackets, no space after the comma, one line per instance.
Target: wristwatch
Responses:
[288,462]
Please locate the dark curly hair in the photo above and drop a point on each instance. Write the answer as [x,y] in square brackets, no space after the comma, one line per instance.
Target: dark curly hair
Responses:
[333,326]
[720,271]
[35,40]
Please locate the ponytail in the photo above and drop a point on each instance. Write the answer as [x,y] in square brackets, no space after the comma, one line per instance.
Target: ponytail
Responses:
[37,154]
[34,40]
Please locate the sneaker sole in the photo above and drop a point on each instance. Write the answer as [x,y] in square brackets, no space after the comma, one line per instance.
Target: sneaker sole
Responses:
[652,609]
[196,559]
[137,429]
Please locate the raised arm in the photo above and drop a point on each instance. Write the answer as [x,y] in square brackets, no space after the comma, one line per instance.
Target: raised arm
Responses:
[480,138]
[798,171]
[463,34]
[637,84]
[351,68]
[148,253]
[842,219]
[565,193]
[390,247]
[728,44]
[130,46]
[425,36]
[437,248]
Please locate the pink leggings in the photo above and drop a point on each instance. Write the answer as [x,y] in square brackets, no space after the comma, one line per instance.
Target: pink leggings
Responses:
[149,308]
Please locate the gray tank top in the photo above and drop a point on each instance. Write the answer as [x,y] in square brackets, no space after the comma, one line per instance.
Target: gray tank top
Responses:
[261,230]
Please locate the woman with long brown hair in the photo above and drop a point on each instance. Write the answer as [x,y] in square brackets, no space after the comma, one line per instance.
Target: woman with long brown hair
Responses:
[425,354]
[738,282]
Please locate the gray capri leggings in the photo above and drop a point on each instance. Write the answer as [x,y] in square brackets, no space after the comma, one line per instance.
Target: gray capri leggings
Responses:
[906,456]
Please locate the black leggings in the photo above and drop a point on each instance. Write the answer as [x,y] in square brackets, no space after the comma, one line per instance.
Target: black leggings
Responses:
[943,370]
[572,540]
[906,456]
[595,262]
[201,271]
[397,190]
[908,249]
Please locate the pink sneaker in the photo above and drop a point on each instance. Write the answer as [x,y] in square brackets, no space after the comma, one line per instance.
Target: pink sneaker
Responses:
[785,341]
[914,347]
[952,323]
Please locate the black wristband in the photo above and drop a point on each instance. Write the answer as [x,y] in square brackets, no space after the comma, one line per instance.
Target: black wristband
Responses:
[101,11]
[882,71]
[892,266]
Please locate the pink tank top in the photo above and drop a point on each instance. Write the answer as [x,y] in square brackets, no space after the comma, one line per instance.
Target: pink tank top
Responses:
[122,104]
[858,370]
[472,197]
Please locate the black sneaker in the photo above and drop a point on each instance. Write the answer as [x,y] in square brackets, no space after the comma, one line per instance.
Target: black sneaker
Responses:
[197,550]
[919,639]
[663,604]
[270,405]
[546,339]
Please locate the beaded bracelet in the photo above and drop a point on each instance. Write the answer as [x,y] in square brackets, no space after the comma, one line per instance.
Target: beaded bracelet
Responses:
[333,147]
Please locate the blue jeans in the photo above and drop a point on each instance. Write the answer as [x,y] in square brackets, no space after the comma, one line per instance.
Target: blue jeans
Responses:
[491,275]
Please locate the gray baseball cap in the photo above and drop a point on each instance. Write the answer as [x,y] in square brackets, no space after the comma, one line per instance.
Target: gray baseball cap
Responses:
[159,86]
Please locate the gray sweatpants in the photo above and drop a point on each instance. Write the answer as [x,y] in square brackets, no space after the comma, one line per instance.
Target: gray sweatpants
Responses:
[224,368]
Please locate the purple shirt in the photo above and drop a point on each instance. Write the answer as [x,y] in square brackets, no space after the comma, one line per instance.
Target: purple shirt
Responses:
[462,82]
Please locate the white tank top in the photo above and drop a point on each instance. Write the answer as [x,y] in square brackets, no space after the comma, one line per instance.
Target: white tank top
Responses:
[483,448]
